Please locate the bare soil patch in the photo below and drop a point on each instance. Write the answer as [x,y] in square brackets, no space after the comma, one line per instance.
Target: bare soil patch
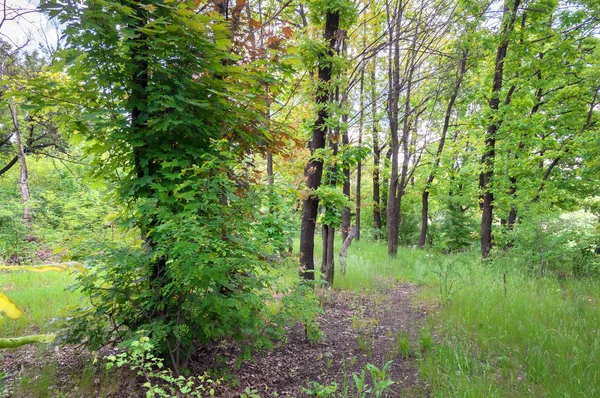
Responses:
[360,326]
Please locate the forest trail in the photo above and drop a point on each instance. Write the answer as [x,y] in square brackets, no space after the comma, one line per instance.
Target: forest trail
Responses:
[357,329]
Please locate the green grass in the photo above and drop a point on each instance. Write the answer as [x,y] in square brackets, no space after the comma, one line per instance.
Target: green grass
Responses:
[542,339]
[41,296]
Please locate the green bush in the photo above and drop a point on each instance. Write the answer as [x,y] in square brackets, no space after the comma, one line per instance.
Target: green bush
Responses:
[214,284]
[564,244]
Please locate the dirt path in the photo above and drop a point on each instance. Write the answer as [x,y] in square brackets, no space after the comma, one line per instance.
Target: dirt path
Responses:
[358,329]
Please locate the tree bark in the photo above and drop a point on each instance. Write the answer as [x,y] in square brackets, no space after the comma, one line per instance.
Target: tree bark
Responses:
[359,166]
[487,160]
[394,88]
[24,175]
[346,216]
[344,249]
[314,168]
[376,159]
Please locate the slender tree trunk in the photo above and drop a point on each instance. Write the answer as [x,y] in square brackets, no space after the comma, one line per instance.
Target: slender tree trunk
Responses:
[270,179]
[346,216]
[394,88]
[328,264]
[359,166]
[24,175]
[440,148]
[314,168]
[329,271]
[487,160]
[376,159]
[385,188]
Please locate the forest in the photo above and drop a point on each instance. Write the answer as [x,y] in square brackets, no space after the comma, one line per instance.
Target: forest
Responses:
[287,198]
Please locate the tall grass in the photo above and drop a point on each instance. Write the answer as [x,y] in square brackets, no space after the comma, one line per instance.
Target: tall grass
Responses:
[528,337]
[540,339]
[41,296]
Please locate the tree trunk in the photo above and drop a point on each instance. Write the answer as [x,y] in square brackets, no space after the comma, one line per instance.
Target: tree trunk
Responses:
[359,166]
[394,88]
[24,175]
[344,249]
[314,168]
[376,160]
[487,160]
[346,216]
[406,127]
[330,268]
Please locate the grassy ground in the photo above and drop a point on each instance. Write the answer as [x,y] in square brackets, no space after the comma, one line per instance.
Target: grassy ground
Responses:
[41,296]
[530,336]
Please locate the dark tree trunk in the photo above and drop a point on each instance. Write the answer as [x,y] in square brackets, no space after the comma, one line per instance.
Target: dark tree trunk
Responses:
[449,108]
[384,191]
[487,160]
[328,272]
[376,159]
[314,168]
[394,88]
[406,127]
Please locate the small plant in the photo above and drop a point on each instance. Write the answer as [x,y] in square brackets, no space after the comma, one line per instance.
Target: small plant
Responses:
[321,390]
[403,344]
[362,388]
[250,393]
[160,382]
[381,379]
[365,344]
[447,278]
[426,343]
[345,369]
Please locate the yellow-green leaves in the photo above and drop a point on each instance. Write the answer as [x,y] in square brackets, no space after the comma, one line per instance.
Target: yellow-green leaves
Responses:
[8,308]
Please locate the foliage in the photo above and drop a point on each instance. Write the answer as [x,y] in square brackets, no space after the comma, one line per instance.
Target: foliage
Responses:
[159,382]
[379,377]
[563,243]
[333,202]
[201,272]
[15,247]
[217,284]
[320,390]
[457,231]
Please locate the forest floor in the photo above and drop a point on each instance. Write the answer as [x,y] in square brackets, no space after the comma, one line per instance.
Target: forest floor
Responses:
[358,329]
